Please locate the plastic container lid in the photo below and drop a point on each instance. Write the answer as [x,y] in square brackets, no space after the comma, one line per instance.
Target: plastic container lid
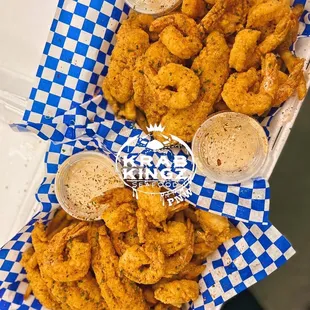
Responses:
[230,148]
[81,178]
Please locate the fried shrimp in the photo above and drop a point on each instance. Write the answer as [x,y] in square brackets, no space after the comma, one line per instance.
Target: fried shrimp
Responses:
[39,241]
[243,49]
[216,230]
[211,65]
[184,82]
[293,63]
[123,241]
[289,86]
[142,225]
[236,92]
[171,240]
[265,13]
[157,56]
[194,8]
[171,29]
[37,283]
[82,294]
[119,214]
[226,16]
[291,37]
[132,42]
[246,53]
[177,292]
[117,291]
[118,82]
[216,12]
[143,264]
[151,203]
[136,21]
[76,266]
[176,262]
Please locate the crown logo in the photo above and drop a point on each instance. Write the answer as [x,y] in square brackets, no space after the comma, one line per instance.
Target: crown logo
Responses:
[158,128]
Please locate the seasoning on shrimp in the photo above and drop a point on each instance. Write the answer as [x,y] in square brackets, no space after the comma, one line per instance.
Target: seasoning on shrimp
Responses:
[143,264]
[211,65]
[237,94]
[118,291]
[177,292]
[171,29]
[243,49]
[172,239]
[176,262]
[119,209]
[185,86]
[76,266]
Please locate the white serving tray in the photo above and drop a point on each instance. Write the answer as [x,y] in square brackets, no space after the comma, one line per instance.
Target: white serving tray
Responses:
[21,154]
[21,166]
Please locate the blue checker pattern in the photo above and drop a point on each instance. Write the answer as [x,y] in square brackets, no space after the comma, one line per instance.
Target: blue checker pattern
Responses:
[233,267]
[74,58]
[248,202]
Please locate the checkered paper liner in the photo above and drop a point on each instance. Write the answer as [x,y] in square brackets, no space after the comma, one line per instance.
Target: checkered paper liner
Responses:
[236,265]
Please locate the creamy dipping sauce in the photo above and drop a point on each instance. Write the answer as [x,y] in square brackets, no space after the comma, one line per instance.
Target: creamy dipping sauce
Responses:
[230,147]
[82,180]
[153,7]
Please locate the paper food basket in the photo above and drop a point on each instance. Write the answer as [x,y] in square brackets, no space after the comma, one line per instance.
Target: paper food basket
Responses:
[63,108]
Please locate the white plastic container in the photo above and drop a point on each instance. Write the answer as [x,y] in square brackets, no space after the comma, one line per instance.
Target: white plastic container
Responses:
[21,154]
[22,170]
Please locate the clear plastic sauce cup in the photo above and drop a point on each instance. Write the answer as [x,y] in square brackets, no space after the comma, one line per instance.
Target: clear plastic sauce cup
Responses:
[81,178]
[230,148]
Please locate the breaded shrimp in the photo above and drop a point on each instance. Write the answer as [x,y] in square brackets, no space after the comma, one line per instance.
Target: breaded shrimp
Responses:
[194,8]
[118,291]
[177,292]
[76,266]
[243,48]
[143,264]
[211,65]
[185,84]
[236,92]
[171,29]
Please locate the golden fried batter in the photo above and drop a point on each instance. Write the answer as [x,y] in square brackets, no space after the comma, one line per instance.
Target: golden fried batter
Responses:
[216,230]
[179,33]
[132,42]
[212,68]
[37,283]
[171,240]
[119,214]
[237,94]
[151,203]
[177,292]
[117,291]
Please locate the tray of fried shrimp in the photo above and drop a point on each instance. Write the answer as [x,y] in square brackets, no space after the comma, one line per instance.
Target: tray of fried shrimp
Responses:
[143,254]
[180,68]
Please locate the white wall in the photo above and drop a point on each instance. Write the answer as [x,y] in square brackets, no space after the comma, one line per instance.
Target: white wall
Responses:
[24,26]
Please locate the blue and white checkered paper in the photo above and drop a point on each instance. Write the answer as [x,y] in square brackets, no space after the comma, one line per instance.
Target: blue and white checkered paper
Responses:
[236,265]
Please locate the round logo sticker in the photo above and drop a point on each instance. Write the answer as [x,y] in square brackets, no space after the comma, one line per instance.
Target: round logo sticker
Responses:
[166,161]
